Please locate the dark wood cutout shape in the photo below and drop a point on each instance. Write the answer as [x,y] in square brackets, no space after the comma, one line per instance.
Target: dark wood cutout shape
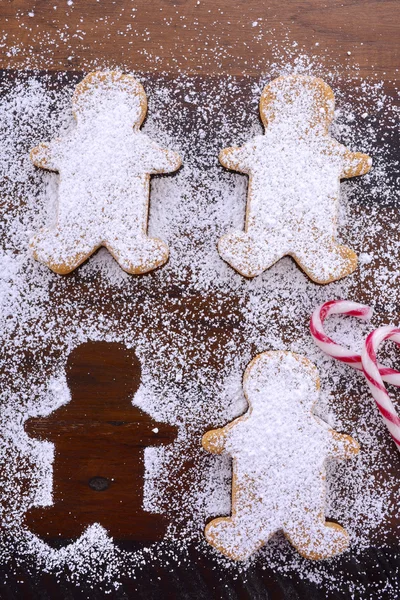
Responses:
[99,442]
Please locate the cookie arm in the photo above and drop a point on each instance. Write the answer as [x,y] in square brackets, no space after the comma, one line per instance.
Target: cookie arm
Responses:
[234,158]
[43,156]
[214,441]
[164,161]
[355,163]
[343,446]
[172,161]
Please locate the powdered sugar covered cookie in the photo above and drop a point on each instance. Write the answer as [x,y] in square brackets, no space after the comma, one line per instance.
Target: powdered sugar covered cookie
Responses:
[279,449]
[105,164]
[294,184]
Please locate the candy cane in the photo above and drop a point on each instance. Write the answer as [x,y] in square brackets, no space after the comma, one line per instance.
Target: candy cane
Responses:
[374,378]
[340,353]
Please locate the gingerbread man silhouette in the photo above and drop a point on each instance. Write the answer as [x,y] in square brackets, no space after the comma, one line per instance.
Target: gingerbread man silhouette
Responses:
[294,184]
[99,439]
[279,449]
[105,164]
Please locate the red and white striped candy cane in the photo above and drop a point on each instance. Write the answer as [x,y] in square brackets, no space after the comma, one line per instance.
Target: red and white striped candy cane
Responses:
[334,350]
[374,378]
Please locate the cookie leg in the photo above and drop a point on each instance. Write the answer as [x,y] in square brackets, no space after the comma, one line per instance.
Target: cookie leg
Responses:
[326,262]
[245,255]
[233,540]
[62,250]
[318,541]
[138,254]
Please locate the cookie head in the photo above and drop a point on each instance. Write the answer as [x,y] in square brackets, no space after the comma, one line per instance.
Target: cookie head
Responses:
[297,102]
[110,95]
[281,379]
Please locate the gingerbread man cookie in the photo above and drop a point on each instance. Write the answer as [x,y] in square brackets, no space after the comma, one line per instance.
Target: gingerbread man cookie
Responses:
[294,184]
[279,449]
[105,164]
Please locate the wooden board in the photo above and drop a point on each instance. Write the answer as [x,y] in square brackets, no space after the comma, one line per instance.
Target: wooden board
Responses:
[209,39]
[199,36]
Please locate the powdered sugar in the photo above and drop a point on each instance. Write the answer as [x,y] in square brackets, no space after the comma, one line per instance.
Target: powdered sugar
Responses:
[294,171]
[278,478]
[105,172]
[195,323]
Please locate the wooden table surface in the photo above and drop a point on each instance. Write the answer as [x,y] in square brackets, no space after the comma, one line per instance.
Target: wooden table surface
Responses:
[197,36]
[206,39]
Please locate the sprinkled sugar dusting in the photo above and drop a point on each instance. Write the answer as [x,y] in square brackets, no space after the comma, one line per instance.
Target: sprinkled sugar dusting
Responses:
[197,334]
[104,164]
[278,479]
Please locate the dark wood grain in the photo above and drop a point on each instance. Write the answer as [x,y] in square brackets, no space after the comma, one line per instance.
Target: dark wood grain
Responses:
[99,440]
[199,36]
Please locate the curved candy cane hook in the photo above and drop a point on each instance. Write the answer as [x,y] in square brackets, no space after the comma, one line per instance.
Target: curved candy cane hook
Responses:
[340,353]
[367,363]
